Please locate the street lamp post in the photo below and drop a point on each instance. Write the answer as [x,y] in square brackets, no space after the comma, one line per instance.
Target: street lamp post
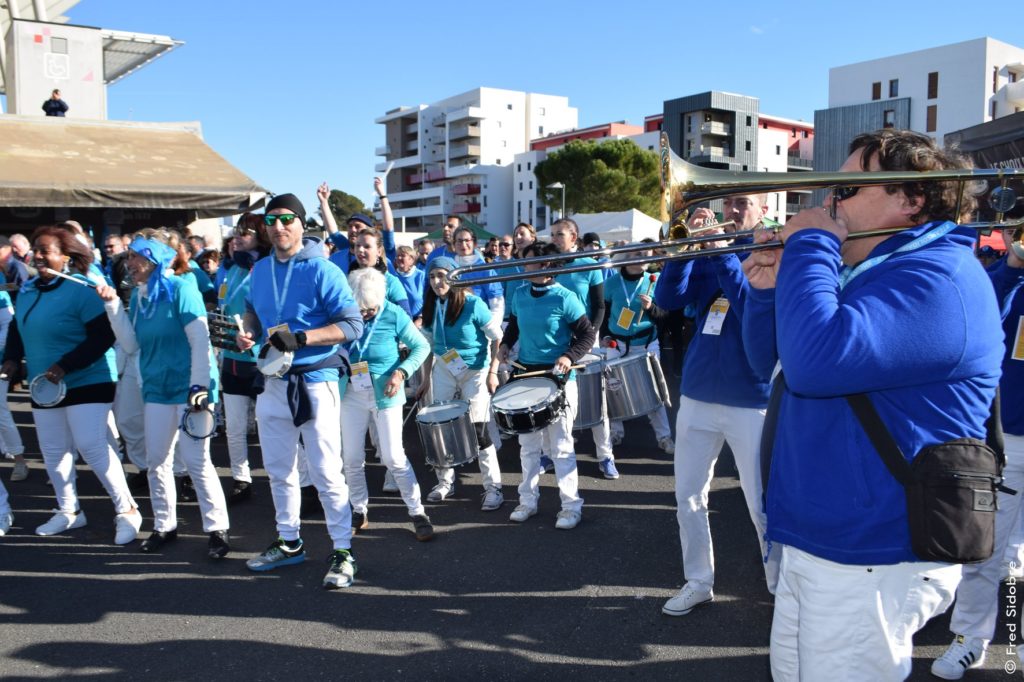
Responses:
[558,185]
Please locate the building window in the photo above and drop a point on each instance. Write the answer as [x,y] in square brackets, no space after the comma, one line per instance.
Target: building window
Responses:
[509,107]
[519,168]
[765,126]
[543,111]
[542,214]
[540,130]
[1012,76]
[993,108]
[876,91]
[995,79]
[520,187]
[805,135]
[889,118]
[689,147]
[528,164]
[747,145]
[894,88]
[748,121]
[933,85]
[932,115]
[794,131]
[531,184]
[497,162]
[778,150]
[689,124]
[531,209]
[485,201]
[519,211]
[504,143]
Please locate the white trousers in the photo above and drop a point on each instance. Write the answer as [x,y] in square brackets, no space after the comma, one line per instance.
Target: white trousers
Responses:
[853,622]
[558,435]
[701,430]
[358,409]
[10,439]
[83,428]
[977,598]
[321,436]
[658,418]
[162,427]
[471,386]
[128,413]
[236,426]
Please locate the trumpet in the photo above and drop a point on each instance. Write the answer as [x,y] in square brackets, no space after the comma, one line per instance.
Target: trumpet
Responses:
[684,184]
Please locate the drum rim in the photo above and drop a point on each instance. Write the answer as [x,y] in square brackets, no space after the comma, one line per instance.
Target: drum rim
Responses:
[439,404]
[285,357]
[185,419]
[59,386]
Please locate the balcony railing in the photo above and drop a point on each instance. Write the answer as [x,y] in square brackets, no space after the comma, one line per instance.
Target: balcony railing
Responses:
[382,151]
[466,207]
[466,189]
[714,128]
[796,162]
[460,151]
[462,132]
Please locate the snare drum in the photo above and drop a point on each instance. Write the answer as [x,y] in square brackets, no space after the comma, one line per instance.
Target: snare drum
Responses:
[633,387]
[45,393]
[590,383]
[273,362]
[528,405]
[198,424]
[447,434]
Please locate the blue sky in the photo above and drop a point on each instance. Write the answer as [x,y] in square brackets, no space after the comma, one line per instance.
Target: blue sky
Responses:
[288,91]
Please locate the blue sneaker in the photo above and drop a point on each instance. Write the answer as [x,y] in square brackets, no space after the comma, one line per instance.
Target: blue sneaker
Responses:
[277,555]
[546,465]
[607,467]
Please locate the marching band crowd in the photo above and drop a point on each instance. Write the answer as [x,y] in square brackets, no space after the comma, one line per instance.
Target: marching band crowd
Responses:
[319,339]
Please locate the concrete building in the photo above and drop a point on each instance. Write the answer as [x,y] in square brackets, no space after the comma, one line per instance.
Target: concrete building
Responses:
[785,146]
[526,202]
[455,156]
[933,91]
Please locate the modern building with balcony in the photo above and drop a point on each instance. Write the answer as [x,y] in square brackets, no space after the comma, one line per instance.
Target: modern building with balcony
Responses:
[785,146]
[455,156]
[933,91]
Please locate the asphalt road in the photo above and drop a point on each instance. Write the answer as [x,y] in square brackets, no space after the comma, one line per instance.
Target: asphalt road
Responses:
[486,599]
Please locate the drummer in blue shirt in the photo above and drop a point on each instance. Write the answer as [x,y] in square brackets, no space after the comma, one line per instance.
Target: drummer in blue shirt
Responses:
[551,326]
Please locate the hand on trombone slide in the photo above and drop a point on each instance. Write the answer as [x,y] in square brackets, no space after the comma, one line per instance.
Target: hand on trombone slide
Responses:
[762,267]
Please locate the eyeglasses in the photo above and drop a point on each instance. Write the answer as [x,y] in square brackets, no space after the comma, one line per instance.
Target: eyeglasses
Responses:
[505,244]
[285,218]
[845,192]
[367,311]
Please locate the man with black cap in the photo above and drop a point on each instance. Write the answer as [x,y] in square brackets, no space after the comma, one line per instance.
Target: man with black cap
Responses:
[301,305]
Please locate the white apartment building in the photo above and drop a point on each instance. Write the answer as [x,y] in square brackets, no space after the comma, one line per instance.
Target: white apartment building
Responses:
[455,156]
[933,91]
[785,146]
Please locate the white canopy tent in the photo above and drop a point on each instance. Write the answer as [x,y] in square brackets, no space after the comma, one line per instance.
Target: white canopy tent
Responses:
[631,226]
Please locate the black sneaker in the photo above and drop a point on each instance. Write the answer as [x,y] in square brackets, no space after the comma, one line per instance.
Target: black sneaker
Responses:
[186,491]
[423,527]
[240,492]
[218,546]
[360,521]
[341,569]
[158,539]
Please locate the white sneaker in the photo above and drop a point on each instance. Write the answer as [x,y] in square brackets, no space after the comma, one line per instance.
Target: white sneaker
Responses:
[493,499]
[521,513]
[440,492]
[390,486]
[688,598]
[20,472]
[964,653]
[5,523]
[126,527]
[668,445]
[568,519]
[61,522]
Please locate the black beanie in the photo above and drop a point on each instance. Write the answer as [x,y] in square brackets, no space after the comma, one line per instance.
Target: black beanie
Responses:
[289,201]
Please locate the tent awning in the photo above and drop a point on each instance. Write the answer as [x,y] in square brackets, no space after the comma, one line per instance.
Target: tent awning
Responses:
[59,162]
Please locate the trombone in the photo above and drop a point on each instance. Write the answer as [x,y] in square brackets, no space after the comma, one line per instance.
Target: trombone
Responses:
[684,184]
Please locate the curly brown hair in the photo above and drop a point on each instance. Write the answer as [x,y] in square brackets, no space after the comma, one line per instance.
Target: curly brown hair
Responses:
[905,150]
[80,255]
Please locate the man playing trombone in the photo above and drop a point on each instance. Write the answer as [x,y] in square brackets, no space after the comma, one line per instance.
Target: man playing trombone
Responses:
[722,399]
[908,320]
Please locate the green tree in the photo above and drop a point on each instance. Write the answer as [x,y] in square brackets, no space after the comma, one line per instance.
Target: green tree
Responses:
[610,176]
[343,205]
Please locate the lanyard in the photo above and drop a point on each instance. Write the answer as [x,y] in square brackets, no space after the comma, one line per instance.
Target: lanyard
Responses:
[362,344]
[281,296]
[238,287]
[439,315]
[629,297]
[847,274]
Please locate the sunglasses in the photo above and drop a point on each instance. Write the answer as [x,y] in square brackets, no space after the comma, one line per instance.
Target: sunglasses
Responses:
[285,218]
[505,244]
[367,311]
[843,193]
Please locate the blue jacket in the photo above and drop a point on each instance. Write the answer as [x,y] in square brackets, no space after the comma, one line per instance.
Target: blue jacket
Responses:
[317,295]
[919,333]
[716,368]
[1010,296]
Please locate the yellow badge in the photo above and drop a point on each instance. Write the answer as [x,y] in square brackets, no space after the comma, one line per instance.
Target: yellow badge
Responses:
[1018,344]
[625,320]
[278,328]
[223,292]
[716,316]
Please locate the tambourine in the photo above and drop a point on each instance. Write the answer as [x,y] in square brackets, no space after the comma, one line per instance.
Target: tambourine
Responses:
[198,424]
[273,362]
[45,393]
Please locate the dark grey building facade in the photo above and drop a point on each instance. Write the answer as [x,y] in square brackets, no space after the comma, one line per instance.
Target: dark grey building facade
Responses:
[714,129]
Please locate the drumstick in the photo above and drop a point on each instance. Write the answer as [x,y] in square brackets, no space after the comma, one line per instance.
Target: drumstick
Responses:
[413,409]
[543,371]
[650,286]
[83,282]
[241,329]
[516,365]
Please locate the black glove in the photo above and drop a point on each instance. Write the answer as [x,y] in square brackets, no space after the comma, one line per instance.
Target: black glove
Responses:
[286,341]
[198,398]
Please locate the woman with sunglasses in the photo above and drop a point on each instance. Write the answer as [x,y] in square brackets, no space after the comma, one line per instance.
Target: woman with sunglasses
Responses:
[241,381]
[465,340]
[551,326]
[166,323]
[62,333]
[375,390]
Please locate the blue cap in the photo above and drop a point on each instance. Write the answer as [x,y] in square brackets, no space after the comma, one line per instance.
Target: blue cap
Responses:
[361,218]
[443,263]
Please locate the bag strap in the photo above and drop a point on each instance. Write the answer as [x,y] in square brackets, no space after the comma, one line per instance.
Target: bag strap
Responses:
[994,431]
[880,437]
